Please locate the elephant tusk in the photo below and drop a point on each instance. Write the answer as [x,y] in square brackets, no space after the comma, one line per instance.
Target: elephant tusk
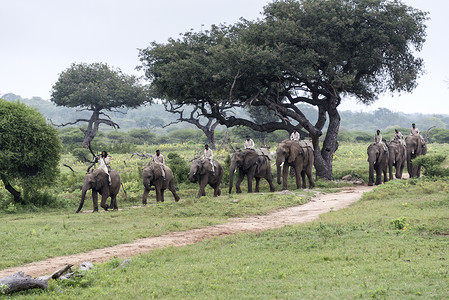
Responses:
[281,164]
[235,170]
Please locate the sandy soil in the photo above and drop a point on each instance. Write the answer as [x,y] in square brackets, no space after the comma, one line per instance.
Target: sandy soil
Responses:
[321,203]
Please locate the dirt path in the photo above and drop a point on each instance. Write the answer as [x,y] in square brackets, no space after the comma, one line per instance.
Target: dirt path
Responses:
[321,203]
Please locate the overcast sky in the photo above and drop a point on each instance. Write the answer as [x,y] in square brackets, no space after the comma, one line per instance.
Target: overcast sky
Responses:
[42,38]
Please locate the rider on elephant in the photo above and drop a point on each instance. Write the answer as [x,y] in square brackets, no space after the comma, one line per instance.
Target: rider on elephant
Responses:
[415,131]
[105,162]
[378,140]
[295,136]
[208,154]
[398,137]
[249,143]
[159,159]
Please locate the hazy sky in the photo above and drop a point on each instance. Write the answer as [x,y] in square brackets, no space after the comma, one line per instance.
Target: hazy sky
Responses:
[40,39]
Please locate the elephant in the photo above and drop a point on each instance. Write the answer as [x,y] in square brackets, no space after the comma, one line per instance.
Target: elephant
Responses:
[291,153]
[201,171]
[249,163]
[396,158]
[378,161]
[415,147]
[98,181]
[152,176]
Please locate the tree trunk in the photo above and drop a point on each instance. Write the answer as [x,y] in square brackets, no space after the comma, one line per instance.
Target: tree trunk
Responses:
[19,282]
[92,128]
[324,156]
[16,194]
[210,134]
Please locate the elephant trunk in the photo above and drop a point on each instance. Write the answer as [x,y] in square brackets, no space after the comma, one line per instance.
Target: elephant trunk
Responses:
[371,173]
[231,176]
[279,164]
[192,176]
[83,197]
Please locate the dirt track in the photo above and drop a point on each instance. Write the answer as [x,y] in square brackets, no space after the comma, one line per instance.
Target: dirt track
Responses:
[321,203]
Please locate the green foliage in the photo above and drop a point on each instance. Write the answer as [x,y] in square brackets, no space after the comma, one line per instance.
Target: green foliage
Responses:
[179,166]
[432,164]
[400,223]
[30,148]
[439,135]
[97,86]
[352,253]
[81,154]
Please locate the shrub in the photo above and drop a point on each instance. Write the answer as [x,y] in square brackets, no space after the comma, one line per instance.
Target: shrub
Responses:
[432,165]
[179,166]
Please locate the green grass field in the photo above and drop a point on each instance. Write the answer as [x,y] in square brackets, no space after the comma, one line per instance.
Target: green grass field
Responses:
[393,244]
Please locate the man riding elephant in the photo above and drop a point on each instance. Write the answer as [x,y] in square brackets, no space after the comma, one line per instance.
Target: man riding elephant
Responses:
[209,155]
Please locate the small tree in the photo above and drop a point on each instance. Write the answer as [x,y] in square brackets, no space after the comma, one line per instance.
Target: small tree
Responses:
[98,88]
[30,148]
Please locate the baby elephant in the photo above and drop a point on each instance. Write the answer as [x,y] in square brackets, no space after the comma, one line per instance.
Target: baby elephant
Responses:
[152,176]
[201,170]
[98,181]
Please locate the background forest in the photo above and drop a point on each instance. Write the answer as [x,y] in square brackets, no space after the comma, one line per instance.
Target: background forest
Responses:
[148,125]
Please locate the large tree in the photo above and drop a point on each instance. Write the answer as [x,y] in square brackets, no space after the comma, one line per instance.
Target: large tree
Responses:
[97,88]
[29,149]
[312,51]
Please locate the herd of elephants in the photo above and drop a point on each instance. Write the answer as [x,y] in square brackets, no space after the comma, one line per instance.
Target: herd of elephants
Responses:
[254,165]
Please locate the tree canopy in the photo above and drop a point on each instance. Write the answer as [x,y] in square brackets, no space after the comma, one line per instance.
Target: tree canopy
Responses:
[97,87]
[30,148]
[311,51]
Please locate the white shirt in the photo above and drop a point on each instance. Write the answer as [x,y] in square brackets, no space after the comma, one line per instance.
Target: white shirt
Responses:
[208,154]
[378,138]
[295,136]
[159,159]
[249,144]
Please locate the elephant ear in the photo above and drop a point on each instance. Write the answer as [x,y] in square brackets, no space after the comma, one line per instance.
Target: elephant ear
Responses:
[250,159]
[205,167]
[101,179]
[295,150]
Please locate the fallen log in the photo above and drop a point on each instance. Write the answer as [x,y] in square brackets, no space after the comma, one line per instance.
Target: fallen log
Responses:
[19,282]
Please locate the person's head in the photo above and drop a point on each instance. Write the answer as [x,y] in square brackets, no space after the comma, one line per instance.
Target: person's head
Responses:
[413,125]
[158,152]
[248,137]
[396,130]
[294,130]
[206,146]
[378,131]
[104,154]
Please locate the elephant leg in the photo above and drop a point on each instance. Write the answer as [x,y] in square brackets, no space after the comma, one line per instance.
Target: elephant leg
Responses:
[270,183]
[203,186]
[250,183]
[238,190]
[103,204]
[257,184]
[310,176]
[114,202]
[378,176]
[215,187]
[95,200]
[158,194]
[385,174]
[162,195]
[390,171]
[171,187]
[145,196]
[301,179]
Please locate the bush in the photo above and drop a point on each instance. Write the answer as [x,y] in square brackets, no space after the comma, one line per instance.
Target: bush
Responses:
[179,166]
[81,154]
[432,165]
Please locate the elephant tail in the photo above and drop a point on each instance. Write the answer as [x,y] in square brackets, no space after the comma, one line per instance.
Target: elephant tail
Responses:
[123,187]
